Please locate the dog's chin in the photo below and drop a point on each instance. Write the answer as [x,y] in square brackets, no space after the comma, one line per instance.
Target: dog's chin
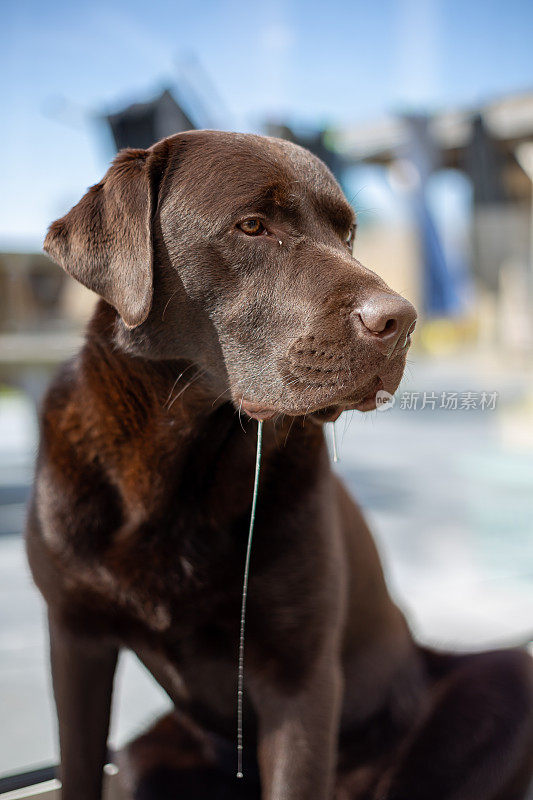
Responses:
[363,399]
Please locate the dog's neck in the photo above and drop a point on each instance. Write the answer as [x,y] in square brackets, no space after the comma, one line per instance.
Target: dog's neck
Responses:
[172,426]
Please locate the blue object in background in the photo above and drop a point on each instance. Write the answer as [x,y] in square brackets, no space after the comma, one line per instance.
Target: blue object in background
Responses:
[440,290]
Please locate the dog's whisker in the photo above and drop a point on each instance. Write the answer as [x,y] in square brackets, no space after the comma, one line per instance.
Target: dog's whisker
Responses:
[288,432]
[240,415]
[180,376]
[187,385]
[219,396]
[174,293]
[350,420]
[306,412]
[345,419]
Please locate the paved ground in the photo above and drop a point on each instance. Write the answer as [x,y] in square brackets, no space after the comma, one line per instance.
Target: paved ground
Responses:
[449,497]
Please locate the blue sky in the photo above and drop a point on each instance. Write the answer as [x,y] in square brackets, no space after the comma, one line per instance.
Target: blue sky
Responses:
[336,62]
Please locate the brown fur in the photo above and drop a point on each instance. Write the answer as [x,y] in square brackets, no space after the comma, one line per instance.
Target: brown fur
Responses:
[137,529]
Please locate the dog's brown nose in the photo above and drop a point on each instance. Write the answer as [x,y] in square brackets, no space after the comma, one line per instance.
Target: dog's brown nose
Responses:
[389,319]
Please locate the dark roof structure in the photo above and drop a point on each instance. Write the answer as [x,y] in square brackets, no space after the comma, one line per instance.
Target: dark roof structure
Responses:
[142,124]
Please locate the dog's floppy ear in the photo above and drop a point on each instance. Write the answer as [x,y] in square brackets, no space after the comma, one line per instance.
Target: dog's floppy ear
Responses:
[105,241]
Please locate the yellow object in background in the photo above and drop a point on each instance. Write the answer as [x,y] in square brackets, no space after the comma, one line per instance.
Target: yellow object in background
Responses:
[445,336]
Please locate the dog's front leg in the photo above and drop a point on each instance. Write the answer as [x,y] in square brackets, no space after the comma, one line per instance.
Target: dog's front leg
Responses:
[298,734]
[82,673]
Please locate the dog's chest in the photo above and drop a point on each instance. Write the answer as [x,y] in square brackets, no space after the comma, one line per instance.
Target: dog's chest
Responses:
[176,558]
[175,588]
[178,576]
[171,581]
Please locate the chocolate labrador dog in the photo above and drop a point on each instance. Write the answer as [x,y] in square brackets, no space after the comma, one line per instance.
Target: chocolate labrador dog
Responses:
[229,292]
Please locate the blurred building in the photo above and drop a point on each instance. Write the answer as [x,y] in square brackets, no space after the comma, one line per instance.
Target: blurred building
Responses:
[42,312]
[491,147]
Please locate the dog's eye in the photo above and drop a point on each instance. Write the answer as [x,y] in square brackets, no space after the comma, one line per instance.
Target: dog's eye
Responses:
[253,227]
[351,236]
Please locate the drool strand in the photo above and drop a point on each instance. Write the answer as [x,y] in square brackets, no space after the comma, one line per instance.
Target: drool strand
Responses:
[240,672]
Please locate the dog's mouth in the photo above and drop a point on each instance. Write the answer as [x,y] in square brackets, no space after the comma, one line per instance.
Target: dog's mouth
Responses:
[364,401]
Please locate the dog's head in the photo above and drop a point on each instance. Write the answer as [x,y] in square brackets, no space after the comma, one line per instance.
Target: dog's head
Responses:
[234,252]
